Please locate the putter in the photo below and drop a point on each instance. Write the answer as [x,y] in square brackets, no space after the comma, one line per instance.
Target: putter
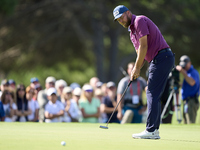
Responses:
[106,127]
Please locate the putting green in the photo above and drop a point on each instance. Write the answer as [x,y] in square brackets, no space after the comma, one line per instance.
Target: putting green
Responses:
[86,136]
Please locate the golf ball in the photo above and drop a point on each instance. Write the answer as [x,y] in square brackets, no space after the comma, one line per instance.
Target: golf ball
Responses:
[63,143]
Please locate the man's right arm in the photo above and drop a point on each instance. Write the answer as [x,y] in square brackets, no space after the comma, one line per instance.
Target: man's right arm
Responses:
[188,79]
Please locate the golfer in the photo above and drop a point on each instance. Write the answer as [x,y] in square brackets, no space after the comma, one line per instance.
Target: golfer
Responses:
[152,47]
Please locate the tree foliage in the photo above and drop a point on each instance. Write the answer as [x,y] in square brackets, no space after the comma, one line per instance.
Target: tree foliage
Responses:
[81,35]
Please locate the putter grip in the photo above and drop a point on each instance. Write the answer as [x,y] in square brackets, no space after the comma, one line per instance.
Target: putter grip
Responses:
[129,83]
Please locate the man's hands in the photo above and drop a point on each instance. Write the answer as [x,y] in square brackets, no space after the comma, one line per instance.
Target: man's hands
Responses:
[180,69]
[188,79]
[135,73]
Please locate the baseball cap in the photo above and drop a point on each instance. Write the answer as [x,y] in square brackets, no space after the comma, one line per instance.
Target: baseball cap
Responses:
[184,60]
[67,89]
[74,85]
[110,84]
[77,91]
[11,81]
[99,84]
[118,11]
[60,82]
[50,79]
[51,91]
[87,87]
[34,79]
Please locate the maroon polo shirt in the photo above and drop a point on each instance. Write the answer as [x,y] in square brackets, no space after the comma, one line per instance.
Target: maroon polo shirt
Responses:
[141,26]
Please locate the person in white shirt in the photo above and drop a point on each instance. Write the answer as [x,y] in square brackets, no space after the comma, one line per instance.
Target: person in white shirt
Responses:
[32,104]
[72,112]
[54,109]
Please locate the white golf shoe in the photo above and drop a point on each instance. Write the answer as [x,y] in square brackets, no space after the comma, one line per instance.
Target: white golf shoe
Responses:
[147,135]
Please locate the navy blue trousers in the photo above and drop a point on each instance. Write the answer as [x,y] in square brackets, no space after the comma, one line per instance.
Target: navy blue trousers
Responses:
[159,70]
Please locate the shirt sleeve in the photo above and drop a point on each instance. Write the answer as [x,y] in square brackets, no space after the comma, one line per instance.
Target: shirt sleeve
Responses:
[141,27]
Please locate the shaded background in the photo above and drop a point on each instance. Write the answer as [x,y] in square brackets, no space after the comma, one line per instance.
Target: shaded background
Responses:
[77,39]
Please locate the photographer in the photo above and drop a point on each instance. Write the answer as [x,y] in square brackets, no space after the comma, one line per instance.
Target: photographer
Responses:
[190,89]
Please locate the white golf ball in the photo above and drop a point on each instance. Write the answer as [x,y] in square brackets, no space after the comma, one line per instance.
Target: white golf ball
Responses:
[63,143]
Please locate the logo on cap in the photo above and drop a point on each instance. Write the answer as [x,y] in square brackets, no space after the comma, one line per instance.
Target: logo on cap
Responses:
[116,13]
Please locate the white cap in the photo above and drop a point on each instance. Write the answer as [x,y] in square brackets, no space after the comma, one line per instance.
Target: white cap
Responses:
[110,84]
[77,91]
[67,89]
[87,87]
[60,82]
[99,84]
[50,79]
[51,91]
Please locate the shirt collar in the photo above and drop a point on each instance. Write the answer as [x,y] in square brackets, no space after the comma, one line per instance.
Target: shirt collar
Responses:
[132,23]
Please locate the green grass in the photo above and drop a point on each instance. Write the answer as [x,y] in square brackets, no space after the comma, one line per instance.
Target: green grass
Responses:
[85,136]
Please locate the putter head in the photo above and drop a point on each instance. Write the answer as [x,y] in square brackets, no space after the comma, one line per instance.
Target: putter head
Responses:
[103,127]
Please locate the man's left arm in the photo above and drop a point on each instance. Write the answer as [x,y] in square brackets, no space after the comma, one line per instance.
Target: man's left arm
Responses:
[141,53]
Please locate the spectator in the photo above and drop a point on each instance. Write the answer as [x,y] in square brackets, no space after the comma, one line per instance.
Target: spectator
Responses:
[22,104]
[104,89]
[32,104]
[131,108]
[42,96]
[54,110]
[110,102]
[9,105]
[76,94]
[2,113]
[37,89]
[34,81]
[60,84]
[190,89]
[99,94]
[4,86]
[71,109]
[93,82]
[89,105]
[12,84]
[35,84]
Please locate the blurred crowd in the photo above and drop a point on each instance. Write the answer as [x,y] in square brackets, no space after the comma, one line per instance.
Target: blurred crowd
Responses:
[94,102]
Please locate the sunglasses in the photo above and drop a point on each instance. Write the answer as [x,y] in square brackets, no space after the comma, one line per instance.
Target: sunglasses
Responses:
[112,88]
[89,91]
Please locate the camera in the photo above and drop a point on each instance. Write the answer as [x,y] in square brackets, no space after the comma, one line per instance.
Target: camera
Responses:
[174,76]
